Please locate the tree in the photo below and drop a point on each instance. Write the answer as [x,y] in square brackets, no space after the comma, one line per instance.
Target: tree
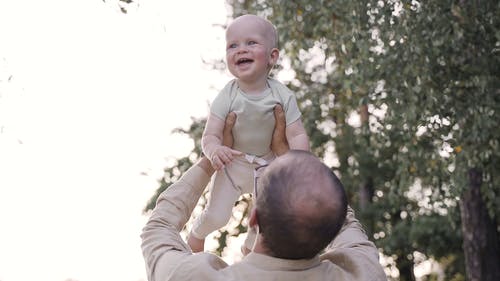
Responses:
[416,90]
[451,79]
[402,100]
[123,5]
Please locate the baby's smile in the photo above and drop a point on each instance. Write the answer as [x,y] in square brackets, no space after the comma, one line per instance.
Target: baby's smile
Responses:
[244,61]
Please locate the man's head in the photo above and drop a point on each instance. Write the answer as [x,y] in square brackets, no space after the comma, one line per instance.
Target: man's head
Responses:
[251,47]
[301,206]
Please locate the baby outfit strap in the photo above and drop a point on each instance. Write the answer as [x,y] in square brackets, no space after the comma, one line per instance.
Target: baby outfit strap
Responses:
[254,159]
[258,170]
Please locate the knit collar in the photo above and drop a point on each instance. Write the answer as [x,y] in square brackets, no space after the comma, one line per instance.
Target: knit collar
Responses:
[271,263]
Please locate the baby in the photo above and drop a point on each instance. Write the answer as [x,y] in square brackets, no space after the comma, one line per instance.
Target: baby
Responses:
[251,53]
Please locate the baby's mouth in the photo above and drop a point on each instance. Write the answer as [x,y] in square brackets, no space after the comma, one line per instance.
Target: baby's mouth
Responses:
[243,61]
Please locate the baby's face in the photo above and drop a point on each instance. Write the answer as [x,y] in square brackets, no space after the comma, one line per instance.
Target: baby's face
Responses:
[248,49]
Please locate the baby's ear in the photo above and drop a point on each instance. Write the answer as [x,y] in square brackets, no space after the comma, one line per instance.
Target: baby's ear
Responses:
[273,57]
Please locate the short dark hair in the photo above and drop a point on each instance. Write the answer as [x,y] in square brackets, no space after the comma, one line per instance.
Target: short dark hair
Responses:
[291,233]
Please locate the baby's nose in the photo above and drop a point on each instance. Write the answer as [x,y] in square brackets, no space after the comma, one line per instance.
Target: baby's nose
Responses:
[242,49]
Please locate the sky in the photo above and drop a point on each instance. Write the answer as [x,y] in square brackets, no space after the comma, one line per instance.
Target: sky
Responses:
[88,99]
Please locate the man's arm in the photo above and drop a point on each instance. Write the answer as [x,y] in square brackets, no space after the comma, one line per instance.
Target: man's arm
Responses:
[297,136]
[279,143]
[162,246]
[354,252]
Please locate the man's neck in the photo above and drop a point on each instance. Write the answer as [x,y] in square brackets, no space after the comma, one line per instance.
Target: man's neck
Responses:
[259,248]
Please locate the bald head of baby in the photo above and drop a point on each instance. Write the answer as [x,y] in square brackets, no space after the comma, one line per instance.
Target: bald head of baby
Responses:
[265,27]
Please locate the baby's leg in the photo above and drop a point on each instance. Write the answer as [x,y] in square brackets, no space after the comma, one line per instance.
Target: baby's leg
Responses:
[217,213]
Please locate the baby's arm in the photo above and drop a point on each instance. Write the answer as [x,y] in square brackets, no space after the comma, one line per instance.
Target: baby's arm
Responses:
[211,143]
[297,136]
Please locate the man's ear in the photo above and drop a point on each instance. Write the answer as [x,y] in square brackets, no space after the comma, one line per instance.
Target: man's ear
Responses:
[253,220]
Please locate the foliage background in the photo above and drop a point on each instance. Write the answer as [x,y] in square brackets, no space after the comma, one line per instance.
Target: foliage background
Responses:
[402,100]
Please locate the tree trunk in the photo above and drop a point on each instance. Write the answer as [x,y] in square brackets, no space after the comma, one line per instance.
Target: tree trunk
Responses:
[405,268]
[365,194]
[480,237]
[366,190]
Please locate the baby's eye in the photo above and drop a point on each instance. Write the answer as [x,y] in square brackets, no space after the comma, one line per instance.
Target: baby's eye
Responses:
[252,42]
[231,46]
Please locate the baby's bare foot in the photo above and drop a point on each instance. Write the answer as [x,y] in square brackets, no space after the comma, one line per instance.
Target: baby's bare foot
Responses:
[197,245]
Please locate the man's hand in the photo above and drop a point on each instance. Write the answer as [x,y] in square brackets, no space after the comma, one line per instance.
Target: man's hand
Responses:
[227,133]
[279,143]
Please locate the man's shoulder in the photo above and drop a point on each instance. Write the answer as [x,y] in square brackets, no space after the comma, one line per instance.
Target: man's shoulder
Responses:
[200,266]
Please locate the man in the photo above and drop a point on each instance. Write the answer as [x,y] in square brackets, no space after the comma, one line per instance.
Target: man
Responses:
[300,207]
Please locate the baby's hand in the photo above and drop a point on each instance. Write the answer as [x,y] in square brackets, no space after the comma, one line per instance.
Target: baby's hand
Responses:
[222,156]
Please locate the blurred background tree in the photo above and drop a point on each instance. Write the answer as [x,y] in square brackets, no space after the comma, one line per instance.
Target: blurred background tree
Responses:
[122,5]
[402,100]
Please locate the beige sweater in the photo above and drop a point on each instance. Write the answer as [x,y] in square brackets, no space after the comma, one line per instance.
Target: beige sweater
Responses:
[350,256]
